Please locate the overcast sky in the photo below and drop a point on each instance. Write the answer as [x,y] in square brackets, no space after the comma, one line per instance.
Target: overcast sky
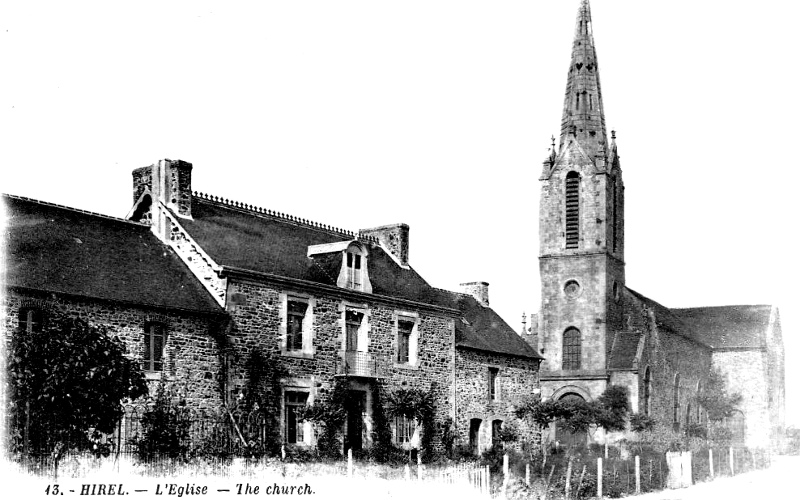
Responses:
[433,113]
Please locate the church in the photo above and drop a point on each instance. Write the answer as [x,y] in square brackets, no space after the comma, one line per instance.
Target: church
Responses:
[195,285]
[593,330]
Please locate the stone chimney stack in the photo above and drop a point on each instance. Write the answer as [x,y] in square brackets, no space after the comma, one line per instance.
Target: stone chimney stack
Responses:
[394,238]
[479,290]
[168,182]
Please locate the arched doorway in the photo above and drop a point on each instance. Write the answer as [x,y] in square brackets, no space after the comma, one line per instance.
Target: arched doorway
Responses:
[564,437]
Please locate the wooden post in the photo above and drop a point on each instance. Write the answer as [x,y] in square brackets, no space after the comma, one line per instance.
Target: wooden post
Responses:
[528,474]
[599,477]
[350,462]
[487,480]
[711,463]
[419,466]
[605,453]
[580,482]
[638,472]
[408,473]
[569,478]
[505,466]
[730,459]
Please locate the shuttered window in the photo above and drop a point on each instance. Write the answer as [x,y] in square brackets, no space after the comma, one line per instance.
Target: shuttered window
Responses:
[572,209]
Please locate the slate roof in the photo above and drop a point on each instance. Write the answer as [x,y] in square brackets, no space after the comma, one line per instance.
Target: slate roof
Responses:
[64,250]
[484,330]
[624,349]
[728,326]
[243,239]
[240,238]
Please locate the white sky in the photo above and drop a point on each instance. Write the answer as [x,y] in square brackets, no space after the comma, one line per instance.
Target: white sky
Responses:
[434,113]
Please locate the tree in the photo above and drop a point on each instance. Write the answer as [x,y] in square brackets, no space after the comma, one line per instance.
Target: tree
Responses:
[715,399]
[611,412]
[65,381]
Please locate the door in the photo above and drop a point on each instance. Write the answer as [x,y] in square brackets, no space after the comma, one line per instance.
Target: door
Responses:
[356,404]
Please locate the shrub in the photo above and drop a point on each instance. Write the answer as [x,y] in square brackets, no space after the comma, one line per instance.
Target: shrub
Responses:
[165,428]
[642,423]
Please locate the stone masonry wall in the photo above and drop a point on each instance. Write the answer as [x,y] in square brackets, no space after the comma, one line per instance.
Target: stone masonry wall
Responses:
[256,310]
[517,376]
[668,354]
[744,372]
[192,360]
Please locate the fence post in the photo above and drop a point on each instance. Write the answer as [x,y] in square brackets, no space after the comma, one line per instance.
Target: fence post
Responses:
[528,474]
[505,473]
[408,473]
[711,463]
[605,452]
[569,478]
[419,466]
[638,472]
[599,477]
[731,460]
[350,462]
[487,481]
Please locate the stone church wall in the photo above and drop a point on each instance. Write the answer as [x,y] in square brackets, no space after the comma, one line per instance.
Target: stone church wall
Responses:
[668,354]
[744,372]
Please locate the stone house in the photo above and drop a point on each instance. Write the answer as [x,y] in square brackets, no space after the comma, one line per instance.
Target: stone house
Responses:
[230,283]
[593,330]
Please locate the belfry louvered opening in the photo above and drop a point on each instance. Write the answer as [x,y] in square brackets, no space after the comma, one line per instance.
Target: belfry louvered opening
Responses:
[572,209]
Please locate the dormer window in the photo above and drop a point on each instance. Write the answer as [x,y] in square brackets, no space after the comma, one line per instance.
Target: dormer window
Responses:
[350,257]
[354,277]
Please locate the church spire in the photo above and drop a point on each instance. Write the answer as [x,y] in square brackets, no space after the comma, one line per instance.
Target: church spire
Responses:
[583,117]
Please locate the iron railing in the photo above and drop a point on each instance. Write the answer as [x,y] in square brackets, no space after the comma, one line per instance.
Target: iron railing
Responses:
[362,364]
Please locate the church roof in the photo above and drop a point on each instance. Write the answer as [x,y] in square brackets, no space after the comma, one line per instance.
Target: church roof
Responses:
[624,349]
[53,248]
[728,326]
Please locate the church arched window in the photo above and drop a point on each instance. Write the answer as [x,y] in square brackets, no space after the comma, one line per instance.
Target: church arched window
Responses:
[571,352]
[647,392]
[572,225]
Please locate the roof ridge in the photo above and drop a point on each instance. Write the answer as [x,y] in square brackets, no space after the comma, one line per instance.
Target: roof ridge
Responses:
[80,210]
[720,307]
[260,211]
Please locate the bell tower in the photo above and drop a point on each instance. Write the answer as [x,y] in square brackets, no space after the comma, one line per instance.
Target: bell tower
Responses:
[581,232]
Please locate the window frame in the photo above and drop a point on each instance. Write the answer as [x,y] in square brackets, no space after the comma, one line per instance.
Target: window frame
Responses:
[572,211]
[411,342]
[571,352]
[306,336]
[31,314]
[493,385]
[299,428]
[148,358]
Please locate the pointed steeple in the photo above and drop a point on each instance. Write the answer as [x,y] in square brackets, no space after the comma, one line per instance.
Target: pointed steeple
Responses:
[583,118]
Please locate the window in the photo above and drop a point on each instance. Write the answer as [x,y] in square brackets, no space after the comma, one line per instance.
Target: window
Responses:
[295,316]
[676,423]
[497,426]
[688,415]
[572,209]
[353,321]
[30,319]
[354,277]
[571,351]
[647,391]
[154,341]
[493,384]
[293,401]
[698,416]
[404,329]
[404,428]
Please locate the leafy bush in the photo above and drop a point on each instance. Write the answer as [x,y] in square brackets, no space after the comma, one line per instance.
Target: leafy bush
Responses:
[642,423]
[67,381]
[165,428]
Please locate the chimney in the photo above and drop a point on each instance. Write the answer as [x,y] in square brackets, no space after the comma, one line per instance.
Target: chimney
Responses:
[394,238]
[479,290]
[169,182]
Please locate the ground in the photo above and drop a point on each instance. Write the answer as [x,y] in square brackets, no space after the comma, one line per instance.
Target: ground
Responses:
[776,482]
